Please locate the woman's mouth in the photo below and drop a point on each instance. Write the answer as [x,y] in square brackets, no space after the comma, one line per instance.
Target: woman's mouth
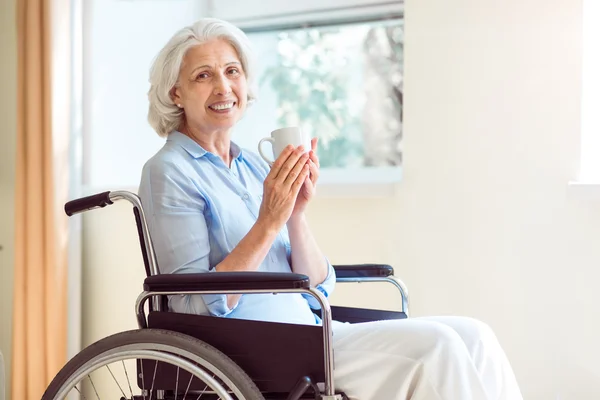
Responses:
[222,107]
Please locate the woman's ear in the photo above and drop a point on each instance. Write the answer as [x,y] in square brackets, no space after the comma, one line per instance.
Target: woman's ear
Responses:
[175,95]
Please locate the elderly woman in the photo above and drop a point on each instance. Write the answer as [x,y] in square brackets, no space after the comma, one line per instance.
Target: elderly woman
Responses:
[214,207]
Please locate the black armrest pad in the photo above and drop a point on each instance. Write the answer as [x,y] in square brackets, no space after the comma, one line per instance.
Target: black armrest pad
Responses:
[363,270]
[225,281]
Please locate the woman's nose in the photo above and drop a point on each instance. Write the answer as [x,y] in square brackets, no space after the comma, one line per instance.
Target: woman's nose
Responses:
[222,86]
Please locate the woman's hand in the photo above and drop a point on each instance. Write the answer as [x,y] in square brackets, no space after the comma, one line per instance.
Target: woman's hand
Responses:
[309,187]
[281,187]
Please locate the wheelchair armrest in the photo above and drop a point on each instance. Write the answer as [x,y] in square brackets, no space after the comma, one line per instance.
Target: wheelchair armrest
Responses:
[363,271]
[226,281]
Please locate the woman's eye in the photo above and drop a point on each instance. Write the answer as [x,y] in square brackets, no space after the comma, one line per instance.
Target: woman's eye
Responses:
[202,75]
[234,71]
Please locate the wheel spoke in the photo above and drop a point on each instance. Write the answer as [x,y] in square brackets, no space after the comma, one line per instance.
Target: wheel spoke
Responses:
[95,391]
[79,391]
[116,381]
[143,384]
[204,390]
[188,386]
[153,379]
[177,384]
[128,381]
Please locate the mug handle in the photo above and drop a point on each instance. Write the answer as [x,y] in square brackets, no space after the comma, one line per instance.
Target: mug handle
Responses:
[267,139]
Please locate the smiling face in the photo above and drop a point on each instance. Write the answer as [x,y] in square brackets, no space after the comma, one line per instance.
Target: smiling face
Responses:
[212,87]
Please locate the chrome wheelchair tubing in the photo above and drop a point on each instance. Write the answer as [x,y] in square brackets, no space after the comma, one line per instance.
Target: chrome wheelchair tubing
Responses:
[136,202]
[325,317]
[390,279]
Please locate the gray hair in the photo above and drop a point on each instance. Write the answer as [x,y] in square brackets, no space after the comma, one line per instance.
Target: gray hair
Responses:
[163,114]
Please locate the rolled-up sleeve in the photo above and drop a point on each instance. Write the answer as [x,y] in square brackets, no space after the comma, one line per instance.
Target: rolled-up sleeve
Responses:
[177,220]
[326,287]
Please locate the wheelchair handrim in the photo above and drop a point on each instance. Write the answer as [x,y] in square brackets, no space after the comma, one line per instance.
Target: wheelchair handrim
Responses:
[132,351]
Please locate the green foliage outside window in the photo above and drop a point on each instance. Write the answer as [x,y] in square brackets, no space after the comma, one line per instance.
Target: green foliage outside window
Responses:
[322,79]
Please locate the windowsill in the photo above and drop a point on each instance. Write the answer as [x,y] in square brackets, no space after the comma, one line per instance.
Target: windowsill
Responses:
[351,182]
[357,190]
[585,190]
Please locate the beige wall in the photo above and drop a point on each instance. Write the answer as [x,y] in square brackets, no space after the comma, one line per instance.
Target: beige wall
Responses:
[8,77]
[483,224]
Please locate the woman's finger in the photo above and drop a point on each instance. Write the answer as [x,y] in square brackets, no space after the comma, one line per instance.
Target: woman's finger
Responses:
[296,169]
[314,158]
[299,182]
[280,161]
[308,187]
[288,164]
[313,153]
[314,172]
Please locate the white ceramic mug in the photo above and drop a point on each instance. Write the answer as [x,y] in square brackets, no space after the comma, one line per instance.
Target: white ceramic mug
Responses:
[280,138]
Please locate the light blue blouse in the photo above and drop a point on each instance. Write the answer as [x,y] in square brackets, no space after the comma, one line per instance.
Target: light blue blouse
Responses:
[198,210]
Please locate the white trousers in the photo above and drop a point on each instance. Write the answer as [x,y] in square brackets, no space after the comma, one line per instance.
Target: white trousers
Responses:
[433,358]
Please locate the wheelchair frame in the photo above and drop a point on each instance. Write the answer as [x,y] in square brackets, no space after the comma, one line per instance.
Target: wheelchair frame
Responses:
[236,282]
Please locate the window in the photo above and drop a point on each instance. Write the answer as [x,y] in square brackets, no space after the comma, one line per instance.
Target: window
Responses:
[118,55]
[340,83]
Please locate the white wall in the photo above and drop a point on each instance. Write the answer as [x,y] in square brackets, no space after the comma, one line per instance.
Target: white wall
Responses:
[492,139]
[121,40]
[8,128]
[483,224]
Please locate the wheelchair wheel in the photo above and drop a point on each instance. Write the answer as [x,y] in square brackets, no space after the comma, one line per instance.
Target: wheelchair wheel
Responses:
[112,368]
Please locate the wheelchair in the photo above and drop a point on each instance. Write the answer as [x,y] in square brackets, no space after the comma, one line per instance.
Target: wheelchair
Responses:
[183,356]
